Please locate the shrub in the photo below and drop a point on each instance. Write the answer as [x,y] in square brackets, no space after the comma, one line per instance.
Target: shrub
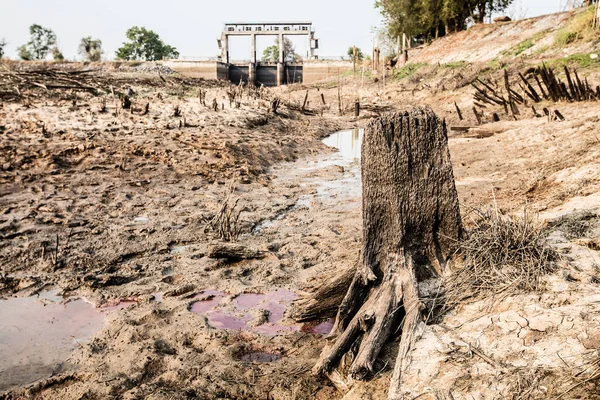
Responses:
[501,255]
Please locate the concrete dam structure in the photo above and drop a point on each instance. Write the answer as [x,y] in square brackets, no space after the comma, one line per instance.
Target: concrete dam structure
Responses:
[268,73]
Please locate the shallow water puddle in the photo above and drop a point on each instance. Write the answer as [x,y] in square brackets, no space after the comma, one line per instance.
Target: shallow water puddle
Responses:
[348,188]
[259,313]
[38,334]
[349,143]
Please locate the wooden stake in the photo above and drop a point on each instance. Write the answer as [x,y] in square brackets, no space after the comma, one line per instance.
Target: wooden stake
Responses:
[305,100]
[477,116]
[460,117]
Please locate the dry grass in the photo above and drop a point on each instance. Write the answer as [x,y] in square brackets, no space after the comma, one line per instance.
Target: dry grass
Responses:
[502,255]
[576,225]
[225,223]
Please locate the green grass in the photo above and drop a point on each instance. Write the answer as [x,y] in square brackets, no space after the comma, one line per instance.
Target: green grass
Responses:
[523,46]
[565,37]
[574,60]
[496,64]
[578,29]
[408,70]
[455,65]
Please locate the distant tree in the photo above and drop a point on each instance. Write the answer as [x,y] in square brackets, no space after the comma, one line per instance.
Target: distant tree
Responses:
[145,45]
[359,53]
[271,53]
[42,42]
[90,49]
[2,45]
[57,55]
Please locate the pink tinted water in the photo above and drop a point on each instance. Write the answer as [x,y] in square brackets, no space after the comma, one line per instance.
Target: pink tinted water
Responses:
[248,300]
[238,316]
[324,328]
[207,300]
[39,333]
[221,320]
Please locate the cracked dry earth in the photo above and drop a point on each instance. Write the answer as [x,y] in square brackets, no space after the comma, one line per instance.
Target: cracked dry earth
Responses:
[130,198]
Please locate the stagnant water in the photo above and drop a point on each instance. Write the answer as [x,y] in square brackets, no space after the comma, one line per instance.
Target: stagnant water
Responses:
[38,334]
[252,312]
[344,191]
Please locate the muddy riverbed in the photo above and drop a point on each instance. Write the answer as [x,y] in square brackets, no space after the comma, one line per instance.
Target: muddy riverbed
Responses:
[107,220]
[58,329]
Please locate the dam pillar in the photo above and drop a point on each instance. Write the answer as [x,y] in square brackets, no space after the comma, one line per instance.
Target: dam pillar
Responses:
[280,74]
[252,66]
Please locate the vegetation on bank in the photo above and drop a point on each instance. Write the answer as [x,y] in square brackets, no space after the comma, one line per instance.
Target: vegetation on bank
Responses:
[579,29]
[434,18]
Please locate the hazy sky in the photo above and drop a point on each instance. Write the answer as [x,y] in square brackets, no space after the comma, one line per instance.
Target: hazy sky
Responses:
[193,26]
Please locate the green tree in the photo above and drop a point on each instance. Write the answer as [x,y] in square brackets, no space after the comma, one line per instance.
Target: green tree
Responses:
[42,42]
[90,49]
[145,45]
[57,55]
[433,18]
[359,53]
[271,53]
[2,45]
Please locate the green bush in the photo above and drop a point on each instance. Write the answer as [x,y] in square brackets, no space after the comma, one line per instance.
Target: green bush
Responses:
[523,46]
[578,29]
[408,70]
[565,37]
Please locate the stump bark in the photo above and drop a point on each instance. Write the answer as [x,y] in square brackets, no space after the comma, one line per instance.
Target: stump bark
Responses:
[411,220]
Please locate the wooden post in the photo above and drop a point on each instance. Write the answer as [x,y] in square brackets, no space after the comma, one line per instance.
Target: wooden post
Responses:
[305,100]
[477,116]
[404,49]
[460,117]
[357,108]
[399,49]
[340,110]
[384,74]
[354,60]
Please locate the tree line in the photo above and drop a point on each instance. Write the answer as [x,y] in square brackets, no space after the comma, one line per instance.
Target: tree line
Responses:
[142,44]
[431,19]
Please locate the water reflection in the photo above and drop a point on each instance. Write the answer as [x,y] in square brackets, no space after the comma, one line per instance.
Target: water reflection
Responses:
[349,143]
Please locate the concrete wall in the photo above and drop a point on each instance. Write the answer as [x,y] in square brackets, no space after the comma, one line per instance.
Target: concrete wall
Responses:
[311,71]
[316,70]
[222,70]
[198,69]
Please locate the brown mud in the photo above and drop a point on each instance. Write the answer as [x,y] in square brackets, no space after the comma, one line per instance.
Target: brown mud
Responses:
[116,206]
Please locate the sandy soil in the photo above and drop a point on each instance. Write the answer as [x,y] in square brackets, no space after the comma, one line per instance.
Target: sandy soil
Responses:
[130,199]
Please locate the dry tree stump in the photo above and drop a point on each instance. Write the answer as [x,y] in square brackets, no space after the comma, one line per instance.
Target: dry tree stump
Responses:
[411,220]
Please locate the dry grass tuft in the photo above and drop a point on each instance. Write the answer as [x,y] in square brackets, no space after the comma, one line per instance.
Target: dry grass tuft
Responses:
[502,255]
